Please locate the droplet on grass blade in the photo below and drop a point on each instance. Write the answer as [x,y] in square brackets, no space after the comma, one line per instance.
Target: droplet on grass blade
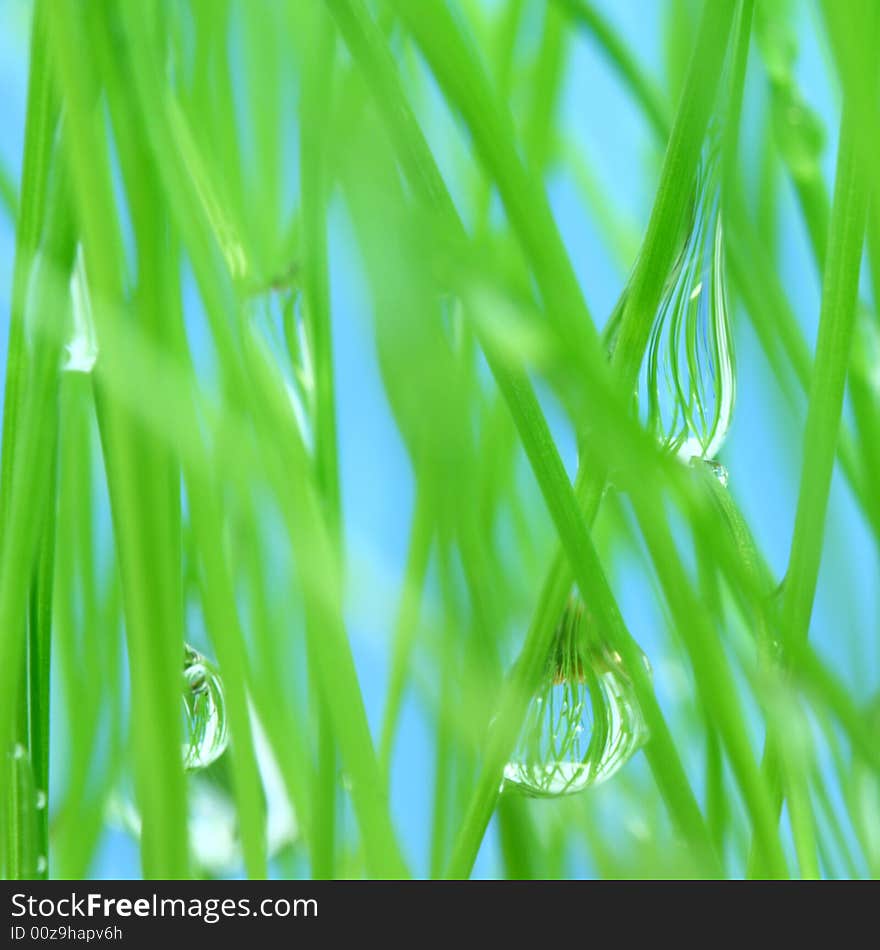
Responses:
[280,330]
[81,351]
[204,711]
[584,723]
[689,372]
[865,364]
[212,823]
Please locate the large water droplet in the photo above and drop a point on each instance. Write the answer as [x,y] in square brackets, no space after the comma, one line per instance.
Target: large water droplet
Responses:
[204,711]
[584,723]
[688,377]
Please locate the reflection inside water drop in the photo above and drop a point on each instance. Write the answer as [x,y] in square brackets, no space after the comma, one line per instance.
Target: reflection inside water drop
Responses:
[688,379]
[279,327]
[715,468]
[204,711]
[584,723]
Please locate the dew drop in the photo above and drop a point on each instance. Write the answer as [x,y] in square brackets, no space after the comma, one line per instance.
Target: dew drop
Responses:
[688,377]
[212,823]
[584,723]
[715,468]
[280,331]
[42,865]
[204,711]
[40,799]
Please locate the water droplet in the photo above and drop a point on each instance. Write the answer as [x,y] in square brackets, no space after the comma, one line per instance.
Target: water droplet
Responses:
[865,366]
[40,799]
[688,378]
[213,827]
[19,751]
[204,711]
[81,352]
[280,331]
[715,468]
[42,865]
[584,723]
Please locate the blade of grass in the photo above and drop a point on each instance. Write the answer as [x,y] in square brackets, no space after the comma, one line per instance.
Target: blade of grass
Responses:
[30,466]
[8,193]
[406,624]
[145,515]
[836,328]
[31,729]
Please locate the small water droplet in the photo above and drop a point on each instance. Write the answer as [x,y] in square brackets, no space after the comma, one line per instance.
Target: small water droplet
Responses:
[280,330]
[688,380]
[40,799]
[19,751]
[715,468]
[204,711]
[585,723]
[42,865]
[213,827]
[81,351]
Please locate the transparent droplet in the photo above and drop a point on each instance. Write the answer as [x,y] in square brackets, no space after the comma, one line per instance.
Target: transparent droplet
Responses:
[584,723]
[81,352]
[799,132]
[204,711]
[280,331]
[715,468]
[40,799]
[42,864]
[688,378]
[212,824]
